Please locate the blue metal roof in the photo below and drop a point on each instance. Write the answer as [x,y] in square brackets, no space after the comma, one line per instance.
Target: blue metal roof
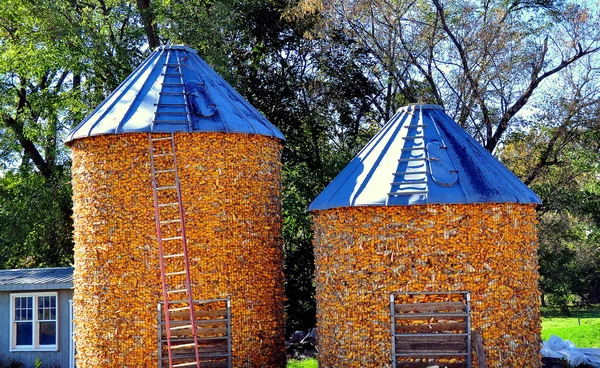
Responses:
[421,156]
[174,90]
[37,279]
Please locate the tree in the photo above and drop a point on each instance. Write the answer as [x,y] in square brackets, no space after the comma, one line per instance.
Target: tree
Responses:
[59,59]
[558,154]
[484,61]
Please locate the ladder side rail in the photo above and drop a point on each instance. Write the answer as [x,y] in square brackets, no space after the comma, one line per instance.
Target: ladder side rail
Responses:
[229,360]
[185,99]
[188,280]
[160,252]
[159,319]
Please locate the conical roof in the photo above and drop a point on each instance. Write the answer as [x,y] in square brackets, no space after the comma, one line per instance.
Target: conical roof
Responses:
[421,156]
[174,90]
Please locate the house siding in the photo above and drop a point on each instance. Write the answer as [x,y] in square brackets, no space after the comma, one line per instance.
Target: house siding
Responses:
[54,359]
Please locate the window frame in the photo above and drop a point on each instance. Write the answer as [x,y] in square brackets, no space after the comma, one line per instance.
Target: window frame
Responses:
[35,323]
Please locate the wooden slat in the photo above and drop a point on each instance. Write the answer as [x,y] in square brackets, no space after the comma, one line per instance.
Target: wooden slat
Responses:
[200,332]
[430,364]
[432,327]
[214,365]
[204,361]
[478,343]
[418,354]
[430,307]
[199,323]
[420,316]
[198,314]
[202,350]
[406,347]
[433,338]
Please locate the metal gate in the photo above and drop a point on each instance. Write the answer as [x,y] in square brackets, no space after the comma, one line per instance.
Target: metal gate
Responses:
[212,319]
[431,329]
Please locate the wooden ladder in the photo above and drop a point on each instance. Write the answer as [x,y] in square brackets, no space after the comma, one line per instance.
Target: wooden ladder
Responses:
[172,249]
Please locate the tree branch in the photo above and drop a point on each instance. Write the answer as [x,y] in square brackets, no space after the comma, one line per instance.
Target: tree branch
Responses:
[521,101]
[17,127]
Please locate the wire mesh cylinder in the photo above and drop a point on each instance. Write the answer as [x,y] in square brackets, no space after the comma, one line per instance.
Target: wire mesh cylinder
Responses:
[231,196]
[363,254]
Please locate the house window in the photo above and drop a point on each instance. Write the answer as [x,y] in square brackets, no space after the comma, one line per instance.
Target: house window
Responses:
[34,322]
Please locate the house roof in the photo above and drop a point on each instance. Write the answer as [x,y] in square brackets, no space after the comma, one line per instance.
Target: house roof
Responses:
[421,156]
[37,279]
[174,90]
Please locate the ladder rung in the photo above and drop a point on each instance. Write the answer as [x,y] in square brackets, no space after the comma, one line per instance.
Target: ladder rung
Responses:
[173,255]
[175,339]
[163,154]
[161,139]
[408,182]
[413,149]
[173,238]
[173,84]
[167,187]
[407,192]
[172,74]
[164,171]
[175,273]
[416,126]
[170,221]
[411,159]
[188,364]
[171,121]
[168,204]
[170,113]
[183,346]
[172,65]
[175,292]
[410,172]
[173,93]
[413,137]
[171,104]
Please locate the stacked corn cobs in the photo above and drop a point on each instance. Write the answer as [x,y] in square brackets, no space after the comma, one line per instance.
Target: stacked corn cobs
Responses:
[363,254]
[231,197]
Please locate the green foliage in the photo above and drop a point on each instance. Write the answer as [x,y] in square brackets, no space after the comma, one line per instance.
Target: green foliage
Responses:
[582,327]
[35,220]
[58,59]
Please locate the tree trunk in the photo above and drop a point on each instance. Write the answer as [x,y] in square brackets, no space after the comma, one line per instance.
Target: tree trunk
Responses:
[148,20]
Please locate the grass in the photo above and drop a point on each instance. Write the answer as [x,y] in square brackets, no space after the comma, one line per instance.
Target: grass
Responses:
[582,327]
[305,363]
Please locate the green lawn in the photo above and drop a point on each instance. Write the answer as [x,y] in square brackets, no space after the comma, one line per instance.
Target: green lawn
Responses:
[582,328]
[306,363]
